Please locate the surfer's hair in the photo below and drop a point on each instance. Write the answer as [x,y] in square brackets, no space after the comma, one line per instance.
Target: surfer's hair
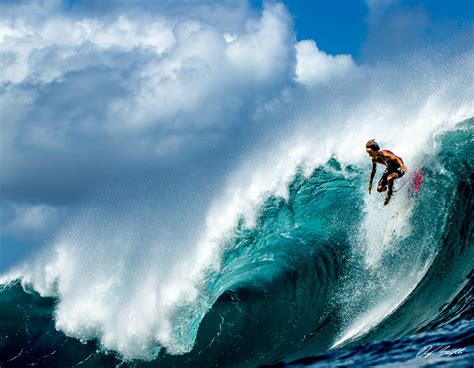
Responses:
[373,145]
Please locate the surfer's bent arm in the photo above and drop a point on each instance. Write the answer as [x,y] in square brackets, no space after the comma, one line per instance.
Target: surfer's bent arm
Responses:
[391,156]
[372,174]
[402,165]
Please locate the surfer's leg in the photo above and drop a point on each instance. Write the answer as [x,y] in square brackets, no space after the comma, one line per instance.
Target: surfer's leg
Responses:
[382,185]
[390,179]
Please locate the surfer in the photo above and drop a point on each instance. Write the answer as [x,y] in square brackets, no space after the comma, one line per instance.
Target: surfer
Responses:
[395,168]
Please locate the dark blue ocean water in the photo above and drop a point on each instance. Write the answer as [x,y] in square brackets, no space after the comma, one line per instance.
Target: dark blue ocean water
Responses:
[328,277]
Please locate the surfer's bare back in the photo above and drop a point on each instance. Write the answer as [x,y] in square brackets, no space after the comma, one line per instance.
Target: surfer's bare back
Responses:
[395,168]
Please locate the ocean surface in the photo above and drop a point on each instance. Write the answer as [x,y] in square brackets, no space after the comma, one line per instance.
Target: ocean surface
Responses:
[324,276]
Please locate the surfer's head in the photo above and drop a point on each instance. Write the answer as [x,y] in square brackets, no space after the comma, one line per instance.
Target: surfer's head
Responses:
[372,146]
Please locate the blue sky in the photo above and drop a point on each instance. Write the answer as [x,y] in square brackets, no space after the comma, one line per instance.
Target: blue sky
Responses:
[339,26]
[156,103]
[349,27]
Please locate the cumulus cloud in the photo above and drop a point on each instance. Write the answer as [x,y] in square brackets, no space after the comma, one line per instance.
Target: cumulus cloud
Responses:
[205,80]
[26,221]
[314,65]
[75,88]
[43,52]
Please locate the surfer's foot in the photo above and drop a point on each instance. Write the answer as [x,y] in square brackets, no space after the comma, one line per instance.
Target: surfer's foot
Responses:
[387,199]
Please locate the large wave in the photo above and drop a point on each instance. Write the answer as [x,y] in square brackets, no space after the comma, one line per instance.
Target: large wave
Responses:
[318,264]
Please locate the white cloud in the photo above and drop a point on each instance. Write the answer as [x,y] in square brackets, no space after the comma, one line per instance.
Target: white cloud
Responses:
[133,81]
[264,51]
[28,220]
[204,79]
[47,50]
[155,87]
[314,65]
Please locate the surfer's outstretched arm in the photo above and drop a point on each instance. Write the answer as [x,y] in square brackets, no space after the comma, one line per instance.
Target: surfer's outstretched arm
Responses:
[372,174]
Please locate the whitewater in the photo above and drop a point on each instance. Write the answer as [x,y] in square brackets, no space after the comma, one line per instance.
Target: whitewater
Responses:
[293,258]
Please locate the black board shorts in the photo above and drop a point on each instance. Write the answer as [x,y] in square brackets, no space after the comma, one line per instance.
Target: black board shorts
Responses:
[383,180]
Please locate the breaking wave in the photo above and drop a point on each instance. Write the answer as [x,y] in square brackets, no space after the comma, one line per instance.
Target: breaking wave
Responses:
[317,264]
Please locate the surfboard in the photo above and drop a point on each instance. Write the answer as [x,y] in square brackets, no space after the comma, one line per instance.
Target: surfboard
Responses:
[416,183]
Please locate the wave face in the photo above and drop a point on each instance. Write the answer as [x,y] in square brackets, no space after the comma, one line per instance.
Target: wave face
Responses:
[327,268]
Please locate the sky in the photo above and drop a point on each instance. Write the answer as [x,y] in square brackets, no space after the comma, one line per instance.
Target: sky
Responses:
[142,109]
